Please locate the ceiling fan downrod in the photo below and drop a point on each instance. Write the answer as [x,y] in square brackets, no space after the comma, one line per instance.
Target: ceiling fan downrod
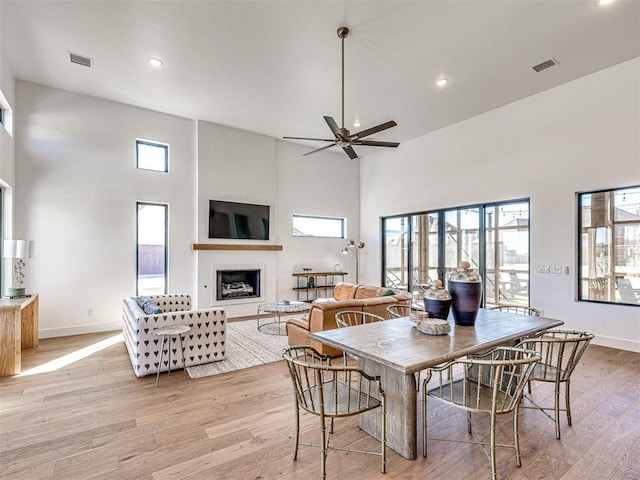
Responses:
[342,34]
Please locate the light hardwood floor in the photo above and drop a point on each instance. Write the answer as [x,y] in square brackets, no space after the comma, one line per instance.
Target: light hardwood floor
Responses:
[93,419]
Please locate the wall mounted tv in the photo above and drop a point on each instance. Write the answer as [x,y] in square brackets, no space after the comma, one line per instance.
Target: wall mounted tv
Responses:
[238,220]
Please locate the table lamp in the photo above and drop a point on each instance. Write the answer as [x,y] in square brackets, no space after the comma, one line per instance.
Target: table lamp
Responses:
[17,249]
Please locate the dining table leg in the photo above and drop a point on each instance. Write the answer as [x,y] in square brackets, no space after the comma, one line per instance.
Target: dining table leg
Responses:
[400,396]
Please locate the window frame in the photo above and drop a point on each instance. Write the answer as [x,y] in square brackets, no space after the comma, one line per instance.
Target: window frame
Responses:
[342,220]
[149,143]
[612,284]
[166,244]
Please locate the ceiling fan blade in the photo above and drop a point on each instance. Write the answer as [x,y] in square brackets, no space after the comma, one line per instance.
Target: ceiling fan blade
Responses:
[372,130]
[333,126]
[319,149]
[316,139]
[351,152]
[374,143]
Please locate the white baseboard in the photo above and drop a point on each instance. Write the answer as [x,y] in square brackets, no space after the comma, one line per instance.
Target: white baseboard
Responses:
[79,330]
[619,343]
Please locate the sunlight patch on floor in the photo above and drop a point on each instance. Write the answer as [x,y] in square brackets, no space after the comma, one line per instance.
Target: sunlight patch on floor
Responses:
[72,357]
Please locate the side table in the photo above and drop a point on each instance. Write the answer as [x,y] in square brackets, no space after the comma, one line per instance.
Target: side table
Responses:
[275,326]
[170,331]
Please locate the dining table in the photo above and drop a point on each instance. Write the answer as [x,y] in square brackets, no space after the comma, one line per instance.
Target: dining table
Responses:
[395,350]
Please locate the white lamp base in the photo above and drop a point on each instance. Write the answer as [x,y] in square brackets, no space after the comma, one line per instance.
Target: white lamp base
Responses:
[16,292]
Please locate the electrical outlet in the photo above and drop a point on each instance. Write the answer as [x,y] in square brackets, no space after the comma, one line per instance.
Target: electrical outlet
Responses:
[557,269]
[544,268]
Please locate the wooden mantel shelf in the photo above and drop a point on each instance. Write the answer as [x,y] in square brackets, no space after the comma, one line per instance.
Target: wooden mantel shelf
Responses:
[235,246]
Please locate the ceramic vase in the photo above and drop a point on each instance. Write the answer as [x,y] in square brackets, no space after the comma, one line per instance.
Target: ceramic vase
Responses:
[465,286]
[437,301]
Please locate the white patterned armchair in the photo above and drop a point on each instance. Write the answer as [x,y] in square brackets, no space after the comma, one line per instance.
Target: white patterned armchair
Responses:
[205,343]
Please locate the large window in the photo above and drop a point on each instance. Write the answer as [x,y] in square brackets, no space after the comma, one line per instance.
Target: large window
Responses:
[494,238]
[313,226]
[152,221]
[609,246]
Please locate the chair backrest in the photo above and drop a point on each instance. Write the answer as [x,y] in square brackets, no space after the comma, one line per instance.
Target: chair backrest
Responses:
[560,351]
[625,289]
[330,390]
[349,318]
[490,382]
[397,311]
[516,309]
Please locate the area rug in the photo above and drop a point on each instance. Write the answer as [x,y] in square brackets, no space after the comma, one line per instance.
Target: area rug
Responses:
[246,347]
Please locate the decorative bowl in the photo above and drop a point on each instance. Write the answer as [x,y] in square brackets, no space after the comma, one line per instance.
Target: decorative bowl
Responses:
[417,316]
[434,326]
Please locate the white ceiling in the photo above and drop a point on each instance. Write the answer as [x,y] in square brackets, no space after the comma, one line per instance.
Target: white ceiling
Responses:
[273,66]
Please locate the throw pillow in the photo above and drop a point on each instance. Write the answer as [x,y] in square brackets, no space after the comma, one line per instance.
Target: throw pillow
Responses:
[387,293]
[151,308]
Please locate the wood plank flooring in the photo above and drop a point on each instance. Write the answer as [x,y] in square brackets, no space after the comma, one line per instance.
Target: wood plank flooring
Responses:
[93,419]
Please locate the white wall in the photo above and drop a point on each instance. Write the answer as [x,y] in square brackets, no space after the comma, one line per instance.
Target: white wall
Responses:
[583,135]
[77,188]
[76,194]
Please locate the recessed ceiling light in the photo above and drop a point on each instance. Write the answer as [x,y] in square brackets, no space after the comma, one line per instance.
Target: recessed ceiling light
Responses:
[600,3]
[442,82]
[155,62]
[356,123]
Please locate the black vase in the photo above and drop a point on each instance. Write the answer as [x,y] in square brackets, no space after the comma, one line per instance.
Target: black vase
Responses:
[465,301]
[437,308]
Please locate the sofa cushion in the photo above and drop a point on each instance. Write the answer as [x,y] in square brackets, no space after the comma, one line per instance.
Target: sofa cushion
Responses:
[344,291]
[366,291]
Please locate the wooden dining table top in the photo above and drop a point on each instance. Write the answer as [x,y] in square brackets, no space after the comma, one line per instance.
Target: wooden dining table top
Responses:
[397,344]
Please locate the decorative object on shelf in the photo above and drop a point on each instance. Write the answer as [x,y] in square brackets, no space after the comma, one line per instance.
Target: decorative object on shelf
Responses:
[437,301]
[18,249]
[311,282]
[354,248]
[433,326]
[337,267]
[306,269]
[465,286]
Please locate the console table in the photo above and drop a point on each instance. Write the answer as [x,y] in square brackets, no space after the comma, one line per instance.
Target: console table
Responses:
[18,330]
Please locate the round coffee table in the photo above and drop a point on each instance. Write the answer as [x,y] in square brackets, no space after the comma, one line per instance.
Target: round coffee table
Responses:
[275,326]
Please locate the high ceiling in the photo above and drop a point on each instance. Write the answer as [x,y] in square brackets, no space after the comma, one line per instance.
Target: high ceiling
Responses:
[273,66]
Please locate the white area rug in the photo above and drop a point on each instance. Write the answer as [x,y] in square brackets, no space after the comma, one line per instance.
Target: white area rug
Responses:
[246,347]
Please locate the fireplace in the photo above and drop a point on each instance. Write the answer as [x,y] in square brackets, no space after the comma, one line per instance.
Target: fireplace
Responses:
[237,284]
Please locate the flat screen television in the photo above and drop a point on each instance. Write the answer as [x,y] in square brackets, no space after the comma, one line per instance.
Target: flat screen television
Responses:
[238,220]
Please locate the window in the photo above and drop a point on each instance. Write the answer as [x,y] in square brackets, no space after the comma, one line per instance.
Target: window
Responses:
[494,238]
[609,246]
[152,156]
[311,226]
[152,221]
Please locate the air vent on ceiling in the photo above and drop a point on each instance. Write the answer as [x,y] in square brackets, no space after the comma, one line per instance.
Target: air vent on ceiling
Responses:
[80,60]
[546,64]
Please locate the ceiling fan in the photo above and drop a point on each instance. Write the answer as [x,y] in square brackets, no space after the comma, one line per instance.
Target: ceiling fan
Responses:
[344,138]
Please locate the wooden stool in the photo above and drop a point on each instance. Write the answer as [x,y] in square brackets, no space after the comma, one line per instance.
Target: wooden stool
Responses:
[169,332]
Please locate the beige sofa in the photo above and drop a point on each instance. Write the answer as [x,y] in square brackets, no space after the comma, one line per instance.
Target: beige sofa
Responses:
[346,296]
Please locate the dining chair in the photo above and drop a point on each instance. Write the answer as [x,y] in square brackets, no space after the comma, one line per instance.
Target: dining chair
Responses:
[329,392]
[517,309]
[349,318]
[560,352]
[490,384]
[397,311]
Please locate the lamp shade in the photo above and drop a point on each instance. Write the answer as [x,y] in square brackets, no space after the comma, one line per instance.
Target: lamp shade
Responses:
[18,249]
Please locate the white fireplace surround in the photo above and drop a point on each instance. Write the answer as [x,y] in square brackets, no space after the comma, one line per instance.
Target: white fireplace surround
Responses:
[241,300]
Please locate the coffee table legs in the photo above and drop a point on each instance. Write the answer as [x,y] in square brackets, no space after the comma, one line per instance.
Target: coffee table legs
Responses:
[400,394]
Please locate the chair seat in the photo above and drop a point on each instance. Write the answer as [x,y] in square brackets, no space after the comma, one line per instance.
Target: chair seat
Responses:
[480,401]
[546,373]
[345,401]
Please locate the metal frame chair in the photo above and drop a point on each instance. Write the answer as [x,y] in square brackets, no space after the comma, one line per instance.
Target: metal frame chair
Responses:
[491,384]
[560,352]
[331,391]
[396,310]
[349,318]
[517,309]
